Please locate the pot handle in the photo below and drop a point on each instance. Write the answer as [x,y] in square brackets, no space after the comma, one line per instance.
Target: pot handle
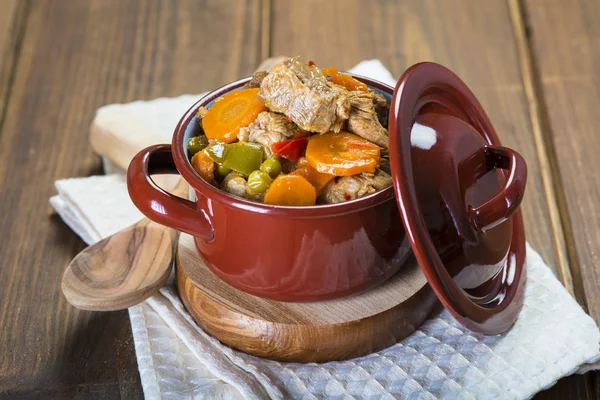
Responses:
[155,203]
[502,206]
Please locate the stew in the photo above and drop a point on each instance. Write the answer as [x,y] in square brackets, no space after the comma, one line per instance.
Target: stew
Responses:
[297,135]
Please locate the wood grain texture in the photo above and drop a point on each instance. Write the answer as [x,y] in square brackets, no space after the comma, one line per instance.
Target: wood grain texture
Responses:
[122,270]
[546,158]
[12,27]
[563,38]
[7,19]
[11,22]
[571,387]
[75,57]
[303,332]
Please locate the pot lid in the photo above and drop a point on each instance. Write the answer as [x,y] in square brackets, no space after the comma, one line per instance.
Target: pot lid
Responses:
[458,192]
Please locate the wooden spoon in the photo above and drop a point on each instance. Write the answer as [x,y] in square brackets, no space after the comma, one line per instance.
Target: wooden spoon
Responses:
[124,269]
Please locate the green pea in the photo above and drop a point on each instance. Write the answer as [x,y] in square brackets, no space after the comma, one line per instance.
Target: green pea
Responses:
[271,166]
[223,171]
[259,181]
[196,143]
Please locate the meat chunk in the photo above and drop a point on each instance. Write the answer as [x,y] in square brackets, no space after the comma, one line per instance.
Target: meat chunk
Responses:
[379,99]
[303,93]
[268,128]
[256,80]
[382,108]
[235,184]
[384,164]
[274,122]
[363,119]
[352,187]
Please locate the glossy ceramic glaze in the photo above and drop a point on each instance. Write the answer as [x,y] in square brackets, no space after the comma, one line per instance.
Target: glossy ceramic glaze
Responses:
[323,252]
[480,282]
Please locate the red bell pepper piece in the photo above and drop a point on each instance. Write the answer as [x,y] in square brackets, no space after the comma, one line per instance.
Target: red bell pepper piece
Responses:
[291,149]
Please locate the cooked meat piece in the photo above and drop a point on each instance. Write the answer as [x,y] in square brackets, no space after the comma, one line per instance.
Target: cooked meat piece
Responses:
[352,187]
[363,119]
[384,164]
[244,134]
[268,128]
[274,122]
[303,93]
[379,99]
[382,108]
[235,184]
[256,79]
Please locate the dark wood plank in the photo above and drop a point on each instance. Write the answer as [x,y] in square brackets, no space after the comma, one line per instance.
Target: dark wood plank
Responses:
[12,25]
[572,387]
[8,24]
[563,38]
[75,57]
[477,40]
[8,10]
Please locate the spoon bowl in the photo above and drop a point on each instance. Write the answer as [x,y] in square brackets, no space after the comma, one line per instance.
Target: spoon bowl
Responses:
[124,269]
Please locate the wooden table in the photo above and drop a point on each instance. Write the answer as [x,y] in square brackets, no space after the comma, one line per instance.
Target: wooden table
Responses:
[534,65]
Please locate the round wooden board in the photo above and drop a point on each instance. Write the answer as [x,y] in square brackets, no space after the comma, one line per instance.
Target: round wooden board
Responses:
[337,329]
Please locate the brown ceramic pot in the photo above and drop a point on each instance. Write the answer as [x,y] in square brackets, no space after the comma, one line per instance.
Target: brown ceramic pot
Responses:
[327,251]
[283,253]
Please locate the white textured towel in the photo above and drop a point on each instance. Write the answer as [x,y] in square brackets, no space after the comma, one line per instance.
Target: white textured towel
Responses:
[552,337]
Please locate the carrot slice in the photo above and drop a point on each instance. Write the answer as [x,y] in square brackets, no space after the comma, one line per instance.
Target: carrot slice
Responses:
[342,154]
[344,80]
[204,166]
[318,179]
[231,112]
[291,190]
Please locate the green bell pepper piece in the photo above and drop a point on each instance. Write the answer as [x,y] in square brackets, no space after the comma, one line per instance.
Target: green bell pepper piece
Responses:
[217,152]
[243,157]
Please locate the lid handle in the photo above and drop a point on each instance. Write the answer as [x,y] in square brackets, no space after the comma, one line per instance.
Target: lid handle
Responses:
[502,206]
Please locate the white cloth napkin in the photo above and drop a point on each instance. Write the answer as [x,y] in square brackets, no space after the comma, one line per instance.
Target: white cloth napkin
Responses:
[552,338]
